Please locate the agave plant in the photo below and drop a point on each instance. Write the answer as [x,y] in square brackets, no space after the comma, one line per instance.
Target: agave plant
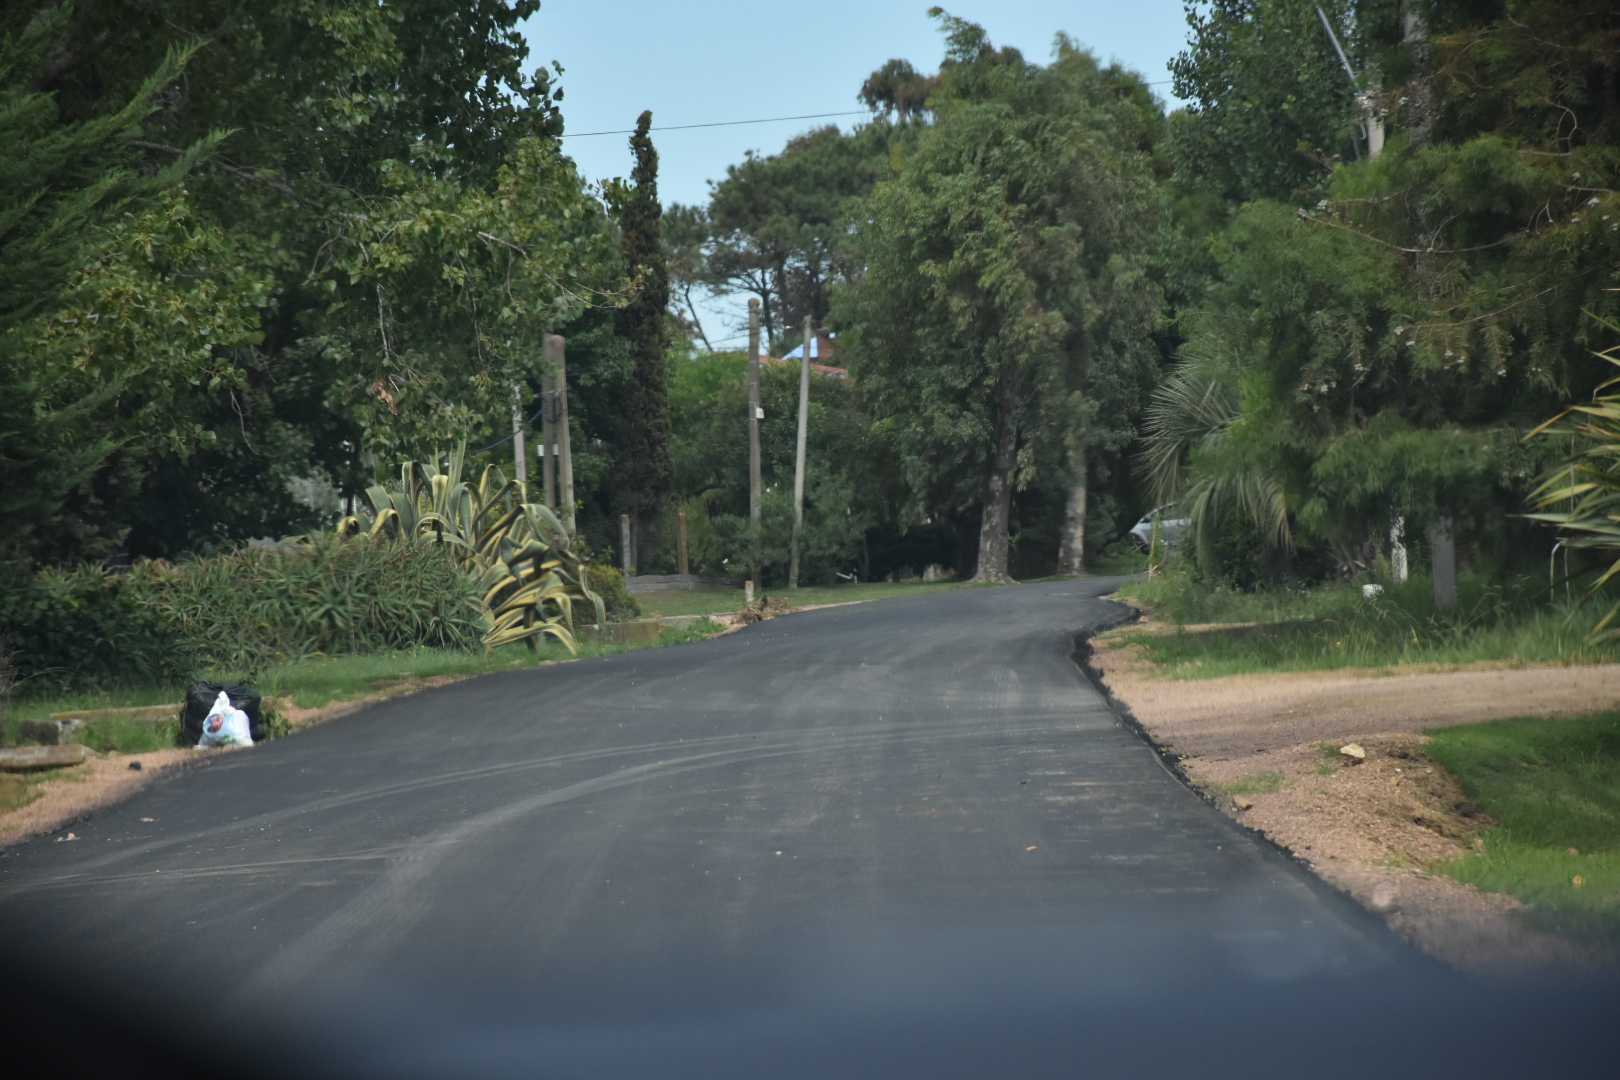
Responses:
[1581,497]
[529,579]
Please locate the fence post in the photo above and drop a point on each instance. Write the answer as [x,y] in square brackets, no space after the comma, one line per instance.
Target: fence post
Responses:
[624,544]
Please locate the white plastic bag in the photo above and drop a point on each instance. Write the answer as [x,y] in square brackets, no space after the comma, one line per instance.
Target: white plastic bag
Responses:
[225,726]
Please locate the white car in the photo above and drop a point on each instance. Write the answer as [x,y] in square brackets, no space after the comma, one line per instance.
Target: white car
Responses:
[1171,529]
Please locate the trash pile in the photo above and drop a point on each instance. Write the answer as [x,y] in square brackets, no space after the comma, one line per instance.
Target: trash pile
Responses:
[219,715]
[761,609]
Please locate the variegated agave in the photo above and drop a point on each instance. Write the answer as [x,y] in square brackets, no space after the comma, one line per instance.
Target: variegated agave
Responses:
[518,552]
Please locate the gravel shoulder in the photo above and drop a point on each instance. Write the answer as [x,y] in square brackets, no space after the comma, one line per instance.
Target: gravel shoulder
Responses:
[1263,748]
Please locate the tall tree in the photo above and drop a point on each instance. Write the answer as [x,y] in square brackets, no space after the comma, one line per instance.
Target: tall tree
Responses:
[780,222]
[1003,322]
[642,472]
[1377,348]
[318,97]
[1269,101]
[75,215]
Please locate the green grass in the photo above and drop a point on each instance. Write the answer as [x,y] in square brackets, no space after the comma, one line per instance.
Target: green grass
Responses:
[717,601]
[1260,783]
[1554,785]
[312,682]
[1335,626]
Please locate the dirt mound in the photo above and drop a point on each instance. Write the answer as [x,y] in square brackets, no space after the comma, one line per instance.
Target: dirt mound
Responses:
[765,607]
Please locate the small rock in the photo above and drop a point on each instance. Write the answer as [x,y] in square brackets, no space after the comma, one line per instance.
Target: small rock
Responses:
[1384,896]
[1572,851]
[135,766]
[1242,803]
[1352,753]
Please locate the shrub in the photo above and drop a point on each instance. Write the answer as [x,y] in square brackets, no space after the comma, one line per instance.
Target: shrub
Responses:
[327,595]
[87,628]
[72,629]
[608,583]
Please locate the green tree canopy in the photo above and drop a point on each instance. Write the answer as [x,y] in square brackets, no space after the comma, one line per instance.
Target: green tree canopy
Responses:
[1001,324]
[1380,349]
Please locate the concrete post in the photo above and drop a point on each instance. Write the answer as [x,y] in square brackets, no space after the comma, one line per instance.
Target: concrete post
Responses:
[520,449]
[565,453]
[624,544]
[548,418]
[1445,563]
[798,454]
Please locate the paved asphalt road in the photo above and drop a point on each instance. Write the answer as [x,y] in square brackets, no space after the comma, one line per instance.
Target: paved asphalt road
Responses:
[896,839]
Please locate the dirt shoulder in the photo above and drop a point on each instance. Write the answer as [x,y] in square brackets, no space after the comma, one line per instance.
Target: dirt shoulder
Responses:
[1264,749]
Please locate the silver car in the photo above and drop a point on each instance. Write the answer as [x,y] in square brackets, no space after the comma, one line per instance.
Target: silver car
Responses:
[1171,528]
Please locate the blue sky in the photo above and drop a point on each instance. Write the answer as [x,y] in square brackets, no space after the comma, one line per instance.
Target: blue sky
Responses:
[723,60]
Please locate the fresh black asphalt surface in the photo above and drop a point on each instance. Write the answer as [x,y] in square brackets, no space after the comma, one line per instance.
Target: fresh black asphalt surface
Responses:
[905,838]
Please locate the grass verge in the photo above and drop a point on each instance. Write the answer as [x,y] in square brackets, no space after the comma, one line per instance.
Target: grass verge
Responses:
[312,682]
[1219,632]
[1555,787]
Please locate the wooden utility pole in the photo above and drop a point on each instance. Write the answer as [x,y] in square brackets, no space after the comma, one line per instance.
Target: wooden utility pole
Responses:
[551,349]
[798,456]
[680,543]
[565,453]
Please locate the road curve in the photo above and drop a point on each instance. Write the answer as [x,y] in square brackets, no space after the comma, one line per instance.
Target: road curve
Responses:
[903,838]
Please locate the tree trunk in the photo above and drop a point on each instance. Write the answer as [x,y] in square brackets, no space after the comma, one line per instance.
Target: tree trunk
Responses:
[1072,552]
[998,493]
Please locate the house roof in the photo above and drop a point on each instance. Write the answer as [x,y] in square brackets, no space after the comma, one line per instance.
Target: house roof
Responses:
[819,369]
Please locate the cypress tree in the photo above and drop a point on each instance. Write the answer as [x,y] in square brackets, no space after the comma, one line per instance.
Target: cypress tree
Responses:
[642,466]
[59,183]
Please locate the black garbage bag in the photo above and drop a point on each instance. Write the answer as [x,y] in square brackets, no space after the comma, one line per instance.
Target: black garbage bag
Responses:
[200,697]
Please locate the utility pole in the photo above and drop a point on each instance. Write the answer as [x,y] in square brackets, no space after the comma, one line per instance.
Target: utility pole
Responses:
[683,563]
[556,348]
[520,450]
[550,351]
[624,546]
[1444,551]
[755,414]
[798,456]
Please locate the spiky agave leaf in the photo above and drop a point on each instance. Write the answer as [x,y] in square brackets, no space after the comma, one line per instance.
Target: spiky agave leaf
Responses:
[517,552]
[1581,496]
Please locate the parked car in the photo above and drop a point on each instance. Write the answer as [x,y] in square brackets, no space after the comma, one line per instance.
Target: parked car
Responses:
[1171,529]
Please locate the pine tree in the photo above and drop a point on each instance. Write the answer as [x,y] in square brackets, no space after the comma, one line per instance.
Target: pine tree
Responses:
[59,182]
[642,470]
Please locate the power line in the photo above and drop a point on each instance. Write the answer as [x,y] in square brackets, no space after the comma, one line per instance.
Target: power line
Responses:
[766,120]
[722,123]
